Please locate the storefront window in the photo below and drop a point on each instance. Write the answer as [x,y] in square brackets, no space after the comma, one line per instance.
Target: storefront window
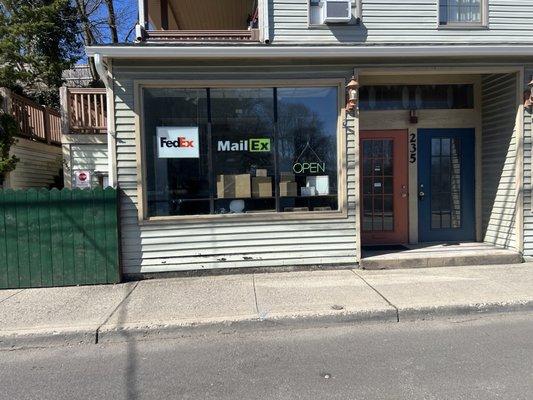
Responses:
[240,150]
[177,179]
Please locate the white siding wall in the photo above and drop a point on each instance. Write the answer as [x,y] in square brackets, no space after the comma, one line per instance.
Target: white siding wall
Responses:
[39,164]
[155,247]
[499,146]
[528,141]
[402,21]
[87,152]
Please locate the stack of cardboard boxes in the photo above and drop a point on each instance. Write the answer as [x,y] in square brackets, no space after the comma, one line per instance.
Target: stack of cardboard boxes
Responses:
[261,184]
[287,185]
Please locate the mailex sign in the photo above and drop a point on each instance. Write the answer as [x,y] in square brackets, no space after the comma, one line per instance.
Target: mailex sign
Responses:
[177,142]
[253,145]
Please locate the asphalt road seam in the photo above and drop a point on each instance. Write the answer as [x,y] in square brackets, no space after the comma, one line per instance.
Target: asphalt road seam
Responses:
[381,295]
[114,311]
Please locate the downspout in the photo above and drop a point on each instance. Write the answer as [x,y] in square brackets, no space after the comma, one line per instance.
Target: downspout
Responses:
[264,22]
[105,75]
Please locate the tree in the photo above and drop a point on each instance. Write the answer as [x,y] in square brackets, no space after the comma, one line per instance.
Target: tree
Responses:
[8,131]
[38,40]
[104,21]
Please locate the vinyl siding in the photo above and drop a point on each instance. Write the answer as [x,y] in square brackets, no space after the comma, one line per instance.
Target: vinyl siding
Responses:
[528,141]
[39,164]
[156,247]
[410,21]
[499,146]
[85,152]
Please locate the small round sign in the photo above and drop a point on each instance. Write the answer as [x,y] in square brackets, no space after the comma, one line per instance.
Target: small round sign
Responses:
[82,176]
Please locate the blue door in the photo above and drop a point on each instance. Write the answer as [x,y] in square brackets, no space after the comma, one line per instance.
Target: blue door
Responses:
[446,168]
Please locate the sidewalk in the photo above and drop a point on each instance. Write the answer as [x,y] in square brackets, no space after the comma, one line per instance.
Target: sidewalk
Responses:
[195,305]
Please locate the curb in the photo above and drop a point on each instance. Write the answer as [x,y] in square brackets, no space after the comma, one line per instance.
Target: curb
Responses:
[145,331]
[10,340]
[443,312]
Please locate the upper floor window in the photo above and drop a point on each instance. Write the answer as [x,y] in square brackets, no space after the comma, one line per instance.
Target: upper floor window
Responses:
[462,12]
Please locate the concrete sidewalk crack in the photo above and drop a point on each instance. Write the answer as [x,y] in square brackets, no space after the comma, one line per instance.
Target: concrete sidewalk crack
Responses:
[9,297]
[380,295]
[114,311]
[255,297]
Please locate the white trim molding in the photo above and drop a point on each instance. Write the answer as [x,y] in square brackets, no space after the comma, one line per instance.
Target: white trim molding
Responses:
[303,52]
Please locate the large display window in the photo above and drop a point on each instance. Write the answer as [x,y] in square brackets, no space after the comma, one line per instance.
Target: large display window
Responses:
[240,150]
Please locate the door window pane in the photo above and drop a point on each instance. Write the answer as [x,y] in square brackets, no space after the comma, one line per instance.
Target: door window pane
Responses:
[378,210]
[445,183]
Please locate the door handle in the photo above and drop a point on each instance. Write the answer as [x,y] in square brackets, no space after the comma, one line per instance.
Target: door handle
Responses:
[421,195]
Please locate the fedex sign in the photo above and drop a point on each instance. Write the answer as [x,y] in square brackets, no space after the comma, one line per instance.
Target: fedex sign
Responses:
[177,142]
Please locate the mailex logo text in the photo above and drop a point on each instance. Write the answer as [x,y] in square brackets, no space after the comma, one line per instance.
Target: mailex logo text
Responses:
[253,145]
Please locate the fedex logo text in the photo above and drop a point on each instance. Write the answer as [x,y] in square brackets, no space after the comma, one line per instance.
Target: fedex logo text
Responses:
[180,142]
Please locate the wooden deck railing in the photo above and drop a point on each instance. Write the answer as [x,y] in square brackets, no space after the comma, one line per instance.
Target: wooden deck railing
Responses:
[84,110]
[35,121]
[243,35]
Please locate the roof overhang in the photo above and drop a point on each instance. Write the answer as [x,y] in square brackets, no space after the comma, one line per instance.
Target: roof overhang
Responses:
[147,51]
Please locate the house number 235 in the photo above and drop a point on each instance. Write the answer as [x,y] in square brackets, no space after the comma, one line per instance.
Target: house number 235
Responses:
[412,148]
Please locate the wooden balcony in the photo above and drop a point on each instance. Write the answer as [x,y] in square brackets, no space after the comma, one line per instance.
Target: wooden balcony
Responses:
[251,35]
[36,122]
[84,110]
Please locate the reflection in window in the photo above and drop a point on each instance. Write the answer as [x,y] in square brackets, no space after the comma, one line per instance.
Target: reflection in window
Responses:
[307,148]
[219,151]
[378,191]
[176,186]
[242,119]
[460,11]
[416,97]
[445,183]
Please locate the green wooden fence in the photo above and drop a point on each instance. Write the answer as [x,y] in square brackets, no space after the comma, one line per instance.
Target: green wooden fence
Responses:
[58,237]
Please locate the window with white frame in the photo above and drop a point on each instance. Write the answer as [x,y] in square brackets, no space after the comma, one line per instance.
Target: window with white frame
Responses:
[462,12]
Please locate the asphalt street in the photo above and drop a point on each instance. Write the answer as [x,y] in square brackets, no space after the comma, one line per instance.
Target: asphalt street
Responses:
[479,357]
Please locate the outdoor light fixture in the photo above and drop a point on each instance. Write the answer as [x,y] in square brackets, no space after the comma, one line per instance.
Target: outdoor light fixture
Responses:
[413,117]
[352,88]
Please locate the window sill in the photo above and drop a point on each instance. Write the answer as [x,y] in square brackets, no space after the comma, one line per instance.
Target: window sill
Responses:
[257,217]
[473,27]
[330,26]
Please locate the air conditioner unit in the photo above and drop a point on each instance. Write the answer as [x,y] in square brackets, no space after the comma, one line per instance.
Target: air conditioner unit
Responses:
[335,11]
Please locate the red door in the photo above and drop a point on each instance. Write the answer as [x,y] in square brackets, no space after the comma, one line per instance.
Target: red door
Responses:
[384,190]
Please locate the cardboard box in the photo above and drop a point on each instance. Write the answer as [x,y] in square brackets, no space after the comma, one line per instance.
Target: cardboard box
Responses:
[261,172]
[287,177]
[261,186]
[242,186]
[320,183]
[307,191]
[233,186]
[288,189]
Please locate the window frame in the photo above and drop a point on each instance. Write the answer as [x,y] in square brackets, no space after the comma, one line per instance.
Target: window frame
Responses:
[140,151]
[482,24]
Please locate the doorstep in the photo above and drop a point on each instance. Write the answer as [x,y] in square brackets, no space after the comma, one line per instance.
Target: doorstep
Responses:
[439,255]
